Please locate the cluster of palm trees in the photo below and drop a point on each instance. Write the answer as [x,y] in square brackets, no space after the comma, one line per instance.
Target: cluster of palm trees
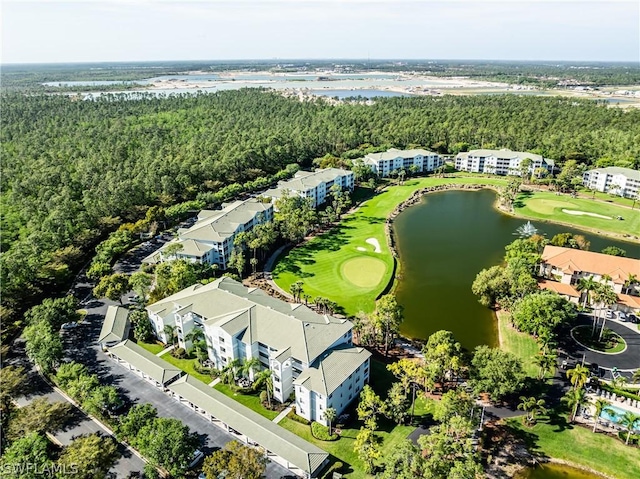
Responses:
[251,369]
[600,293]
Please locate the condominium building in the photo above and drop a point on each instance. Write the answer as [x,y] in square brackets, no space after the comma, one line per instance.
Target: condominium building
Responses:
[563,268]
[395,160]
[315,185]
[617,181]
[309,355]
[210,239]
[501,162]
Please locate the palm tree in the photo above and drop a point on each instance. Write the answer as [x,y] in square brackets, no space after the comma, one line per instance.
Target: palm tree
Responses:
[546,340]
[629,421]
[587,285]
[546,363]
[264,376]
[250,366]
[254,264]
[636,376]
[578,376]
[532,407]
[195,335]
[170,333]
[601,405]
[230,371]
[574,398]
[330,415]
[296,290]
[606,297]
[629,282]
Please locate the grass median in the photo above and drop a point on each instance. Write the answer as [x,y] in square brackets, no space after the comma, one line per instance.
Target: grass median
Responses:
[520,344]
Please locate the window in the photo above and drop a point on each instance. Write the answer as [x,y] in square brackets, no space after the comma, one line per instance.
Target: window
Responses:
[223,350]
[221,339]
[277,390]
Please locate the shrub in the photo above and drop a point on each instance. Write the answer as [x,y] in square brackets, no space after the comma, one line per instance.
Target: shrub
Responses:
[294,417]
[322,432]
[264,398]
[178,353]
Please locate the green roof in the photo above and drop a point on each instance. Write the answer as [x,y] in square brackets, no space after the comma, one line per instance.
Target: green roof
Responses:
[115,326]
[279,441]
[151,365]
[329,371]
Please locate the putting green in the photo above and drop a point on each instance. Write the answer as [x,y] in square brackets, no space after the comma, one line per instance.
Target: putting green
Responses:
[365,272]
[547,207]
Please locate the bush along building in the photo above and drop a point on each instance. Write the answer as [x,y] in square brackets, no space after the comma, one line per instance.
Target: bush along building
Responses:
[310,356]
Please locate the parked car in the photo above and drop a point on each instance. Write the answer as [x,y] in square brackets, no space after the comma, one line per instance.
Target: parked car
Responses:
[67,326]
[632,318]
[609,314]
[622,316]
[197,457]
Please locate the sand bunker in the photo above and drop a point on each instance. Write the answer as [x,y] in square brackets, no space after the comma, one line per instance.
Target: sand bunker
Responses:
[374,242]
[584,213]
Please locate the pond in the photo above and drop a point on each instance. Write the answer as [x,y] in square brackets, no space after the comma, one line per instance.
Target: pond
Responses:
[443,242]
[555,471]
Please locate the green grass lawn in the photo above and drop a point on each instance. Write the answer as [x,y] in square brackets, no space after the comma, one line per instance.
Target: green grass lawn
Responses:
[582,334]
[153,348]
[580,446]
[619,200]
[252,401]
[521,344]
[342,449]
[325,265]
[549,206]
[188,366]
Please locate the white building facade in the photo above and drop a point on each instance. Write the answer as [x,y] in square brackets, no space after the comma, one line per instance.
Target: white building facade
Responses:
[617,181]
[395,160]
[308,354]
[210,239]
[315,185]
[501,162]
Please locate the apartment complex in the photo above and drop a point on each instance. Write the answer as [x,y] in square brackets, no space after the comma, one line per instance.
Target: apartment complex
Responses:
[395,160]
[315,185]
[210,239]
[617,181]
[310,355]
[501,162]
[563,268]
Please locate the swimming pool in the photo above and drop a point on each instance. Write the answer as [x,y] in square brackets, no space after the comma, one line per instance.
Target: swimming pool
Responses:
[615,417]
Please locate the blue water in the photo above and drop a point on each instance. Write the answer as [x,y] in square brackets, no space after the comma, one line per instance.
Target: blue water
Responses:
[356,93]
[95,83]
[618,412]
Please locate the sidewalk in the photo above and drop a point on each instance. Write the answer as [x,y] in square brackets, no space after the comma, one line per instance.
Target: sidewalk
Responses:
[283,414]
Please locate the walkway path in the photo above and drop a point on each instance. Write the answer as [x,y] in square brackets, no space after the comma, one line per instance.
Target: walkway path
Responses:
[268,268]
[164,351]
[283,414]
[214,382]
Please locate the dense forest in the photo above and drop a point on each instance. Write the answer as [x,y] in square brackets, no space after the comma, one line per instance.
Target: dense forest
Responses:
[73,170]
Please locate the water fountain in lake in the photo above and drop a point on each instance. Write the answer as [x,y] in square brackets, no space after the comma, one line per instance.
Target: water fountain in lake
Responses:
[527,230]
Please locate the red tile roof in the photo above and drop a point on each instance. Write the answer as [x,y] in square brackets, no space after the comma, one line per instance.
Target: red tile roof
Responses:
[570,260]
[560,288]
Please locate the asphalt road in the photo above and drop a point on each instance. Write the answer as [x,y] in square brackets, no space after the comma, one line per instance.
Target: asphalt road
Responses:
[78,423]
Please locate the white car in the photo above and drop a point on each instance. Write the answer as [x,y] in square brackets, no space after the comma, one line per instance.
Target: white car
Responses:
[67,326]
[608,314]
[622,316]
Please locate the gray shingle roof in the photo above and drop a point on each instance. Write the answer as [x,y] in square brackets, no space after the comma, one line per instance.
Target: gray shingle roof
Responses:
[158,369]
[505,153]
[616,170]
[393,153]
[285,444]
[115,326]
[329,371]
[260,317]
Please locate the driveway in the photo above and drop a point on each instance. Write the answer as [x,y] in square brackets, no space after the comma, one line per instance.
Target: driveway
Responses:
[627,361]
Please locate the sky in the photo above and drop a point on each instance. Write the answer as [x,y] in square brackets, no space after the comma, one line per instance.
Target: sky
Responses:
[52,31]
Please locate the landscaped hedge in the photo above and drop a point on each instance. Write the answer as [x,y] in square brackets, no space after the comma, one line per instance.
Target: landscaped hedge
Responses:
[293,416]
[620,392]
[321,432]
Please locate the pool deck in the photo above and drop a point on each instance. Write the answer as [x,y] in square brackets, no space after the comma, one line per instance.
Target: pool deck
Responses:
[604,424]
